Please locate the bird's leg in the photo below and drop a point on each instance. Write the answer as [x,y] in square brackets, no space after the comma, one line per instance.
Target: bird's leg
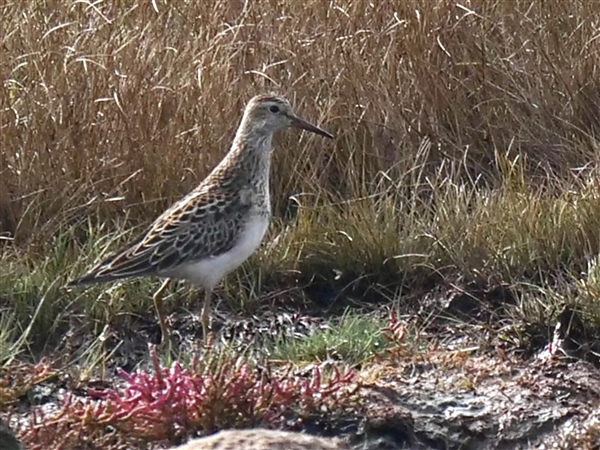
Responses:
[205,317]
[157,297]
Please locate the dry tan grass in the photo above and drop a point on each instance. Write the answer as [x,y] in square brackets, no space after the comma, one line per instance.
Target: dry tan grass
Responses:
[465,137]
[466,147]
[117,107]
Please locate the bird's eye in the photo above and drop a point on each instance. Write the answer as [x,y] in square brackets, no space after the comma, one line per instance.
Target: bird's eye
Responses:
[274,109]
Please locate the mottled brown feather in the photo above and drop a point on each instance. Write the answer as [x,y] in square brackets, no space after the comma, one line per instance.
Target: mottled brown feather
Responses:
[205,223]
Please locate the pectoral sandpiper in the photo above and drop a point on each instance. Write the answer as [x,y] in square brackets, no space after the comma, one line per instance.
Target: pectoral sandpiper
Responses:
[260,439]
[216,227]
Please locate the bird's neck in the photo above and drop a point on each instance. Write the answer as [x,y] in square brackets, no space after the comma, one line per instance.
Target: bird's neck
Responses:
[250,156]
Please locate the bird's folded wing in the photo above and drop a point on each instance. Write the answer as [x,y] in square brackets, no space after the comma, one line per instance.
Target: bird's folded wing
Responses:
[199,226]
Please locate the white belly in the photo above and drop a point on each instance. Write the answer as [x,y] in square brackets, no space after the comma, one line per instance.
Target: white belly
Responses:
[208,272]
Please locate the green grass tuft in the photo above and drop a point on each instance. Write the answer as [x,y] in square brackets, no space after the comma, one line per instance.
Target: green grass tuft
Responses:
[353,338]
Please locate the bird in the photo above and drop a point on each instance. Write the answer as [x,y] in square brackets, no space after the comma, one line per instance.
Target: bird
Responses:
[262,439]
[219,224]
[8,440]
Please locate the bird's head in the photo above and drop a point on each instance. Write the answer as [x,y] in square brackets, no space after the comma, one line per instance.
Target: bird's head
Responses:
[273,113]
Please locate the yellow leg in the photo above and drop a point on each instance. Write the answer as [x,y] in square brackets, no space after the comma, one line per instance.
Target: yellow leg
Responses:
[157,297]
[205,317]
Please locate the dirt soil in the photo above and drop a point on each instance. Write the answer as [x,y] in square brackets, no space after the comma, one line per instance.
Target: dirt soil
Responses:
[459,389]
[469,390]
[466,389]
[457,401]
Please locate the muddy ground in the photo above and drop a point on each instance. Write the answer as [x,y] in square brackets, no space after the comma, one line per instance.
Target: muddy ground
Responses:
[483,402]
[470,385]
[480,381]
[477,390]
